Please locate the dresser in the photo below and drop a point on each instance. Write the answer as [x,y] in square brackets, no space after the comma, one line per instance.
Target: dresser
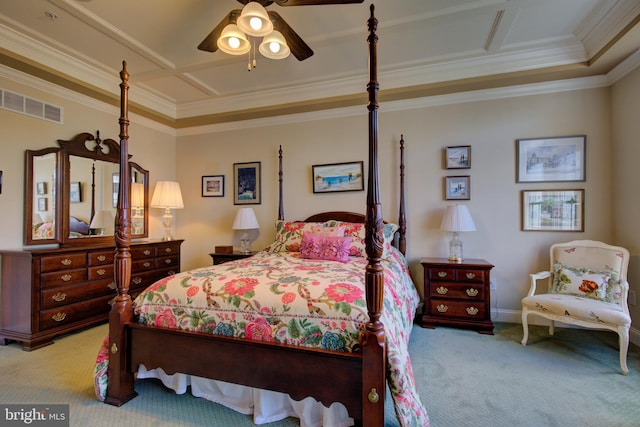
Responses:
[457,294]
[50,292]
[219,258]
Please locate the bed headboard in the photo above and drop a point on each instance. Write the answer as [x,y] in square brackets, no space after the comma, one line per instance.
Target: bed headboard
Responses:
[338,216]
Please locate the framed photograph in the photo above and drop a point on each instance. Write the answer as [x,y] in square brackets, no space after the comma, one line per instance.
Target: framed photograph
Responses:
[246,189]
[557,159]
[336,177]
[553,210]
[457,187]
[42,204]
[458,157]
[41,188]
[75,195]
[213,186]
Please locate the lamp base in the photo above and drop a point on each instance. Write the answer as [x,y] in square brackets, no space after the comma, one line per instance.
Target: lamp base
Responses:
[245,243]
[167,222]
[455,249]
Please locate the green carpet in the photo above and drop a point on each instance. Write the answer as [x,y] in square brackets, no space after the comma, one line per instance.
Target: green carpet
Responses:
[465,379]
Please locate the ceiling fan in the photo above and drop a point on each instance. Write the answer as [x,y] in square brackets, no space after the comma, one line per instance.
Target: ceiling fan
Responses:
[228,29]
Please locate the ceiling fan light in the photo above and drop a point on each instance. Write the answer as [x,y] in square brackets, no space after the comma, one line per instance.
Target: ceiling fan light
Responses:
[274,46]
[254,20]
[233,41]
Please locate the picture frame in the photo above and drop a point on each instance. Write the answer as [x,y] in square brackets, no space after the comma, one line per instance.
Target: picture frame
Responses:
[338,177]
[457,187]
[43,204]
[213,186]
[555,159]
[458,157]
[41,188]
[247,183]
[75,192]
[553,210]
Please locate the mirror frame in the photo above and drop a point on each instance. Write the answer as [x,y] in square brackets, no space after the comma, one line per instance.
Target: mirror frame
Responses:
[29,185]
[82,145]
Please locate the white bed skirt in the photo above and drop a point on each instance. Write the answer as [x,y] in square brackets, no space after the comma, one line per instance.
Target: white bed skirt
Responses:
[266,406]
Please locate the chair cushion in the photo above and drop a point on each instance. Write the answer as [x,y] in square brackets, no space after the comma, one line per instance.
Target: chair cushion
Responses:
[580,281]
[581,308]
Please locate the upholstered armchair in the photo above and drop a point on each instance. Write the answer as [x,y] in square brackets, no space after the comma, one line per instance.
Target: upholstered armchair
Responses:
[587,286]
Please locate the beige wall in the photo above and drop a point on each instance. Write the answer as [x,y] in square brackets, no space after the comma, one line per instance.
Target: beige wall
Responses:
[490,127]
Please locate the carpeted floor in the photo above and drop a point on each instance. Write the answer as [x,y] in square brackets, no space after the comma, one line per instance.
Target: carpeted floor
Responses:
[465,379]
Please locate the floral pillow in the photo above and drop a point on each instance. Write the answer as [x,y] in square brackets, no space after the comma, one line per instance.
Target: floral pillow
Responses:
[289,234]
[580,281]
[354,230]
[319,246]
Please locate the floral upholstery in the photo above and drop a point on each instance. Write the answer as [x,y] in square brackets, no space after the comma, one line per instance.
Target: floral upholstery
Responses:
[587,287]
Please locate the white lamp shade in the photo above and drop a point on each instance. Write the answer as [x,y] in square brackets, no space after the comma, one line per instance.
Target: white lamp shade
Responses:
[254,20]
[137,195]
[102,219]
[245,220]
[167,195]
[457,218]
[274,46]
[233,41]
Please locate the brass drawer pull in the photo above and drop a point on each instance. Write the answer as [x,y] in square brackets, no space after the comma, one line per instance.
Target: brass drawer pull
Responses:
[167,261]
[167,250]
[147,264]
[442,290]
[136,280]
[442,274]
[472,292]
[60,296]
[59,317]
[472,311]
[442,308]
[471,276]
[147,252]
[101,257]
[112,285]
[170,273]
[66,277]
[101,272]
[66,261]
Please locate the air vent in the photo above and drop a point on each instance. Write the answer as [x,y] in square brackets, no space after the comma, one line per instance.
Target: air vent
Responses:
[31,107]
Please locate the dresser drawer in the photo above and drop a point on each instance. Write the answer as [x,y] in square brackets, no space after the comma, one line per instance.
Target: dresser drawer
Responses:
[456,308]
[141,252]
[442,273]
[168,248]
[101,258]
[64,277]
[143,265]
[101,272]
[71,313]
[457,290]
[168,261]
[63,262]
[142,280]
[66,295]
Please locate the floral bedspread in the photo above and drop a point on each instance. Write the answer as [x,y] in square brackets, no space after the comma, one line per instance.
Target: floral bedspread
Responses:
[281,297]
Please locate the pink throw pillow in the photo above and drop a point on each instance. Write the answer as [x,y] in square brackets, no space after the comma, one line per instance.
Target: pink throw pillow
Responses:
[331,248]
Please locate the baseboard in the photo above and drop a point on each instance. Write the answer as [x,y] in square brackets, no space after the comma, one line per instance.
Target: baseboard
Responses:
[515,316]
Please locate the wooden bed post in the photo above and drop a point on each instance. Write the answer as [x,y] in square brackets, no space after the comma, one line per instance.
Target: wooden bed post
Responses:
[402,218]
[280,195]
[373,342]
[120,389]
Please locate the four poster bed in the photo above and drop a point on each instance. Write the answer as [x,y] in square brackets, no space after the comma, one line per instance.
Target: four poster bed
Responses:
[330,341]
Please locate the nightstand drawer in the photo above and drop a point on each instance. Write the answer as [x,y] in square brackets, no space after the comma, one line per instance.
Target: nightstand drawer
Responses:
[464,309]
[456,290]
[470,275]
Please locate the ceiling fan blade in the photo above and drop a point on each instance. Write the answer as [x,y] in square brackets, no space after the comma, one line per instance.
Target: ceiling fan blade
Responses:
[314,2]
[298,47]
[210,42]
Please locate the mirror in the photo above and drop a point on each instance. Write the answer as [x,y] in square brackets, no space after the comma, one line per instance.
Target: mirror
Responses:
[42,200]
[83,193]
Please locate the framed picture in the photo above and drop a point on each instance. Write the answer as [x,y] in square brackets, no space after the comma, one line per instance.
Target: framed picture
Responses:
[213,186]
[553,210]
[458,157]
[246,189]
[457,187]
[75,195]
[42,204]
[551,159]
[336,177]
[41,188]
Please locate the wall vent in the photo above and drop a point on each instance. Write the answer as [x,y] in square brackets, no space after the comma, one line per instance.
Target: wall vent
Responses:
[31,107]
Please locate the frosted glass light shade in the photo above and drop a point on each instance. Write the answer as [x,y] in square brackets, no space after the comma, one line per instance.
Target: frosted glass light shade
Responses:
[233,41]
[254,20]
[274,46]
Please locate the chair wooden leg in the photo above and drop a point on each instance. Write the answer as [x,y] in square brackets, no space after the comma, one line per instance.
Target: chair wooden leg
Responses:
[552,328]
[623,332]
[525,326]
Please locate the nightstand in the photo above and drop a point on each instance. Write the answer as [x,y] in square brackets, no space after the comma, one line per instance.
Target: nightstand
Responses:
[222,258]
[457,294]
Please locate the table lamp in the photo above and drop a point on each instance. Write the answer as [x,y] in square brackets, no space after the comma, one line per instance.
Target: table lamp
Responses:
[456,219]
[167,195]
[245,220]
[137,204]
[101,221]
